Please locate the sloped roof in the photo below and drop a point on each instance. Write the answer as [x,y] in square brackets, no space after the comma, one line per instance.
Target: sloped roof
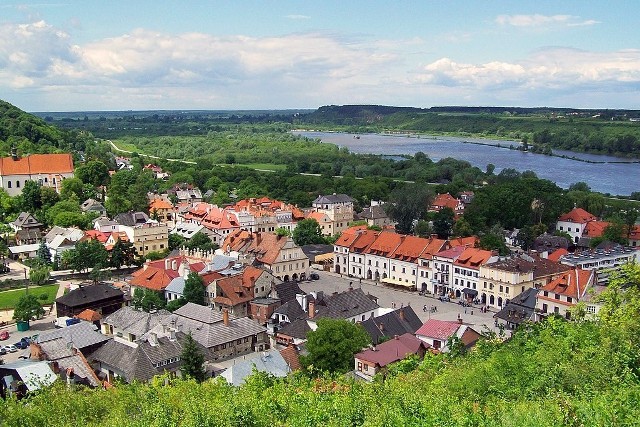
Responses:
[333,198]
[133,321]
[520,308]
[233,290]
[471,241]
[292,357]
[344,304]
[158,204]
[392,323]
[37,163]
[577,215]
[89,294]
[287,291]
[89,315]
[26,220]
[81,335]
[473,258]
[438,329]
[595,228]
[572,283]
[57,350]
[270,362]
[444,201]
[385,243]
[557,254]
[410,248]
[292,310]
[296,329]
[393,350]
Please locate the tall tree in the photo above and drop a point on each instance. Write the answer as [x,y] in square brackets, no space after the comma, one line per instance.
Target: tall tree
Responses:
[194,289]
[93,172]
[307,232]
[332,345]
[443,223]
[192,360]
[408,204]
[27,308]
[31,198]
[123,253]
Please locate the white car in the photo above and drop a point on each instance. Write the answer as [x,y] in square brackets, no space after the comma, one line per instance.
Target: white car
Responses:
[10,348]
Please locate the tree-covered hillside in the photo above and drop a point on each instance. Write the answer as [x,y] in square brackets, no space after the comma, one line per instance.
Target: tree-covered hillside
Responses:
[31,134]
[553,373]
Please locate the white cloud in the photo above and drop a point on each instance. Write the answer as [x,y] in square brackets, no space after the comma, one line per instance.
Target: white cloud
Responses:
[298,17]
[538,21]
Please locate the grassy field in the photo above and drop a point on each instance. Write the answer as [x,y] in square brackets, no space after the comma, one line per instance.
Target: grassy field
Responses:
[8,299]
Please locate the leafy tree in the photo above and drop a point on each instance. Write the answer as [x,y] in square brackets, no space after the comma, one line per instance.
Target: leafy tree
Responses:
[176,241]
[307,232]
[27,308]
[123,253]
[493,241]
[93,172]
[443,223]
[192,360]
[7,205]
[201,241]
[332,345]
[175,304]
[194,289]
[147,299]
[39,275]
[422,229]
[85,255]
[31,198]
[408,203]
[462,228]
[72,186]
[282,232]
[48,197]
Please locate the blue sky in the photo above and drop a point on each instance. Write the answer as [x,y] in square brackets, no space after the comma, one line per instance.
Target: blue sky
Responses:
[114,55]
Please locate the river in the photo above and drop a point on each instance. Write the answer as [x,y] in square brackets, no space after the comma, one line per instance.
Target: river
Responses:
[613,178]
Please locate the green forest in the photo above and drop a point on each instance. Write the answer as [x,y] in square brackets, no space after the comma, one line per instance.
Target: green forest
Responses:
[553,373]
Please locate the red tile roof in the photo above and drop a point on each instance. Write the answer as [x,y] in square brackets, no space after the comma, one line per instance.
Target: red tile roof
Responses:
[595,228]
[393,350]
[577,215]
[158,204]
[572,283]
[473,258]
[444,201]
[37,163]
[557,254]
[471,241]
[385,244]
[89,315]
[233,291]
[291,356]
[410,248]
[438,329]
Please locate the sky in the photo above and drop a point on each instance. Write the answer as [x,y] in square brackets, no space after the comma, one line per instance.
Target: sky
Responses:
[162,55]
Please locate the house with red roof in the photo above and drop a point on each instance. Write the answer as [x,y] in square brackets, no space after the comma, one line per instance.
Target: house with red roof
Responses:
[567,290]
[579,223]
[436,334]
[634,237]
[234,293]
[376,359]
[403,265]
[443,269]
[425,262]
[446,200]
[466,271]
[156,275]
[378,257]
[46,169]
[338,207]
[161,209]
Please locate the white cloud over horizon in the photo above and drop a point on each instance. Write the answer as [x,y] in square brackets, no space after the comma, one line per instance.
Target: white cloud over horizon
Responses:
[537,20]
[146,69]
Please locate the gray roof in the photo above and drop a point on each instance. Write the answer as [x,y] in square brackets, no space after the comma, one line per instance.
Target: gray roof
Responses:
[57,350]
[131,218]
[137,363]
[220,262]
[199,313]
[333,198]
[210,334]
[103,221]
[81,335]
[311,251]
[373,212]
[271,362]
[287,291]
[345,304]
[296,329]
[26,220]
[391,324]
[89,294]
[134,321]
[520,308]
[292,310]
[176,286]
[34,374]
[92,205]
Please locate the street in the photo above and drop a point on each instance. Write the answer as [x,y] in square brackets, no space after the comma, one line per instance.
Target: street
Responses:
[387,297]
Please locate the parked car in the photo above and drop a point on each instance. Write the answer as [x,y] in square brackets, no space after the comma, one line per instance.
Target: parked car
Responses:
[2,351]
[22,344]
[444,298]
[10,348]
[4,335]
[314,276]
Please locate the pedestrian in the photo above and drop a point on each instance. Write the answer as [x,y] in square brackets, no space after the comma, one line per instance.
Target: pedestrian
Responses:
[465,310]
[401,304]
[472,312]
[424,308]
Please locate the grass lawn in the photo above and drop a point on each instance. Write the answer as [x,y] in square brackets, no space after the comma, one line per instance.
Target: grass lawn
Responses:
[8,299]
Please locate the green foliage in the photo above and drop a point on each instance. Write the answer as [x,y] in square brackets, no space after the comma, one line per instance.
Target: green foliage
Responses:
[408,203]
[192,360]
[147,299]
[332,345]
[123,253]
[39,275]
[443,223]
[307,232]
[43,255]
[93,172]
[282,232]
[176,241]
[31,197]
[200,241]
[175,304]
[72,187]
[493,241]
[156,255]
[194,289]
[27,308]
[85,255]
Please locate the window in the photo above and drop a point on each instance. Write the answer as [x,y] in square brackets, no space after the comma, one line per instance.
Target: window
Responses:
[17,184]
[366,366]
[569,299]
[557,296]
[223,346]
[246,339]
[544,308]
[359,366]
[501,288]
[8,184]
[239,341]
[507,290]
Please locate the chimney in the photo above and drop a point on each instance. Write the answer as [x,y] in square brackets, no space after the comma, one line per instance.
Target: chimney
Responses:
[395,337]
[14,153]
[312,309]
[167,263]
[225,317]
[258,238]
[460,320]
[153,339]
[381,327]
[174,265]
[401,314]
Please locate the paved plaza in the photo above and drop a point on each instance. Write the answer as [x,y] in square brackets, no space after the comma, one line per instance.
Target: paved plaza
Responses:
[390,297]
